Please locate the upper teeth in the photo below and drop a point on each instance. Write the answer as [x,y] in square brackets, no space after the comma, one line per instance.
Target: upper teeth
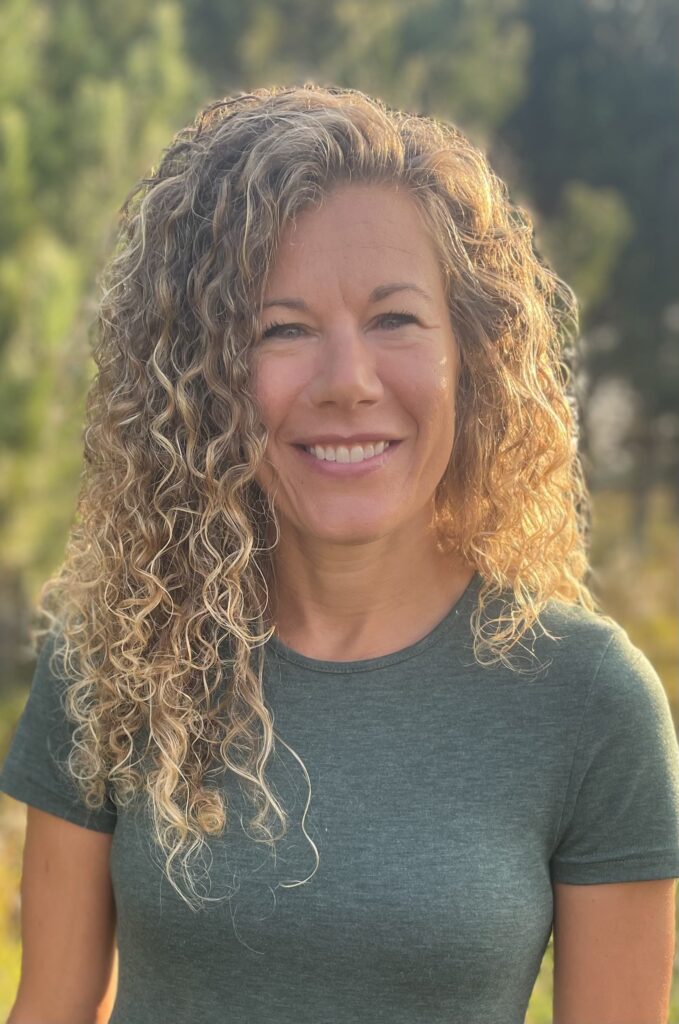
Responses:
[357,452]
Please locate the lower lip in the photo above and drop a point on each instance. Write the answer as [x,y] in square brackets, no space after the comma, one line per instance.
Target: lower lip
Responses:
[349,468]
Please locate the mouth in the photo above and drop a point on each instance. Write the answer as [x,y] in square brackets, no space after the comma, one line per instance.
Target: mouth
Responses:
[363,468]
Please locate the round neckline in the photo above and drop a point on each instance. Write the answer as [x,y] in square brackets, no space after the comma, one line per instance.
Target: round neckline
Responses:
[452,620]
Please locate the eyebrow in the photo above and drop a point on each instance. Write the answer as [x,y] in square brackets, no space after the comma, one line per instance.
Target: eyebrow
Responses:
[381,292]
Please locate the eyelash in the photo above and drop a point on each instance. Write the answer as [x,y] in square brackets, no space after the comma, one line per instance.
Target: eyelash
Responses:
[405,318]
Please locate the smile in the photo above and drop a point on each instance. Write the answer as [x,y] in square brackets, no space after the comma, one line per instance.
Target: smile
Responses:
[359,460]
[342,453]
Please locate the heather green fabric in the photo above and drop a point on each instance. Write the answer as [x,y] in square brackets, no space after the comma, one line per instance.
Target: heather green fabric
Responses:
[446,799]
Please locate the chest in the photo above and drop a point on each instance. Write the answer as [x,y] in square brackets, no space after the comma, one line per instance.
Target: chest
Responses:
[423,832]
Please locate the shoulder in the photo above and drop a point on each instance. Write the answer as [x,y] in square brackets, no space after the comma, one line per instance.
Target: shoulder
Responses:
[598,650]
[578,633]
[577,623]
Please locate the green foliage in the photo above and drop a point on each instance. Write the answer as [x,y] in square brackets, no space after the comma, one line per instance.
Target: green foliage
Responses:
[429,57]
[108,86]
[600,109]
[586,236]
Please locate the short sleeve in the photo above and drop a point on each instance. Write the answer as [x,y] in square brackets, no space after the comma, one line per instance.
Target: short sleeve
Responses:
[620,820]
[33,770]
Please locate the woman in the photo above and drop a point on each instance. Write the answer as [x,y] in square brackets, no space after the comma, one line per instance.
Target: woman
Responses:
[332,486]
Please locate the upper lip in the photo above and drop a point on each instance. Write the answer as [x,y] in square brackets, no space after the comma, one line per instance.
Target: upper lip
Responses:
[336,439]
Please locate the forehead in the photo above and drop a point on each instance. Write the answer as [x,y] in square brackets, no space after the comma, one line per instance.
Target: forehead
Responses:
[359,233]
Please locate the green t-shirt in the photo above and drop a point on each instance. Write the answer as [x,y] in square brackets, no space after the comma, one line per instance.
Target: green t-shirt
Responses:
[446,799]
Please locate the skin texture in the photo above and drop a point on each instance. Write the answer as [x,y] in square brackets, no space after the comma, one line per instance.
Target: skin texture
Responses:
[613,950]
[357,569]
[68,921]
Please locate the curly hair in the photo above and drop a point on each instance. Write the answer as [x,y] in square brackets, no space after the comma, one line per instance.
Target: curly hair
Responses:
[160,601]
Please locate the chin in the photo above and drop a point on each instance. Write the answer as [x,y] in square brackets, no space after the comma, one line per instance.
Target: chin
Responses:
[348,533]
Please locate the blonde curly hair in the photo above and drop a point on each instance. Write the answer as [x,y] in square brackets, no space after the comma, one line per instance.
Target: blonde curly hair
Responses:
[159,606]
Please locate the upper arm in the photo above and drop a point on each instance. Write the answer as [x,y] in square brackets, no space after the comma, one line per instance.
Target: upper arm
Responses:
[67,921]
[613,952]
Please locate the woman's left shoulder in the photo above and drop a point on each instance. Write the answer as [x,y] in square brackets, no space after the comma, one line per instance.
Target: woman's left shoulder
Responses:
[583,638]
[569,630]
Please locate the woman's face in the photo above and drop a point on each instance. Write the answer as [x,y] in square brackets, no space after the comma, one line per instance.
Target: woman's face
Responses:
[356,358]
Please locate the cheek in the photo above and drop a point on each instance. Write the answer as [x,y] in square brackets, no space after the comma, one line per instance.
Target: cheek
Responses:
[433,387]
[266,392]
[264,395]
[276,383]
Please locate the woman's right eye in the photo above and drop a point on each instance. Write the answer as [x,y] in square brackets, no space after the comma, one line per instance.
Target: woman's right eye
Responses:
[278,327]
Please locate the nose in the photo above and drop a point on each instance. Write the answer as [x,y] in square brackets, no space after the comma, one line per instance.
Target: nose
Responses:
[346,373]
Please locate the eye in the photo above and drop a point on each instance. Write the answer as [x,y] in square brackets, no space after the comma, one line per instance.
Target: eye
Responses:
[278,326]
[281,329]
[400,317]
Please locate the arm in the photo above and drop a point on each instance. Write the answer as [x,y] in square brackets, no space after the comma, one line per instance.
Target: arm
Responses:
[105,1008]
[613,952]
[67,923]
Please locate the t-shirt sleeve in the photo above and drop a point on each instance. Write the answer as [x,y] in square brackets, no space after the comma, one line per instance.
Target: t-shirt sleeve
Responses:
[620,820]
[33,770]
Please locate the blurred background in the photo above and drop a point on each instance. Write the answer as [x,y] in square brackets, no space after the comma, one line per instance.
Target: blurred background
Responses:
[575,104]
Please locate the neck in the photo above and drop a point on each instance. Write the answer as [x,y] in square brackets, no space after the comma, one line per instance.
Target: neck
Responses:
[343,602]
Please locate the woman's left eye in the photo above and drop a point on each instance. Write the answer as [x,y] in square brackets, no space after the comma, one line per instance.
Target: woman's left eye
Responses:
[402,318]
